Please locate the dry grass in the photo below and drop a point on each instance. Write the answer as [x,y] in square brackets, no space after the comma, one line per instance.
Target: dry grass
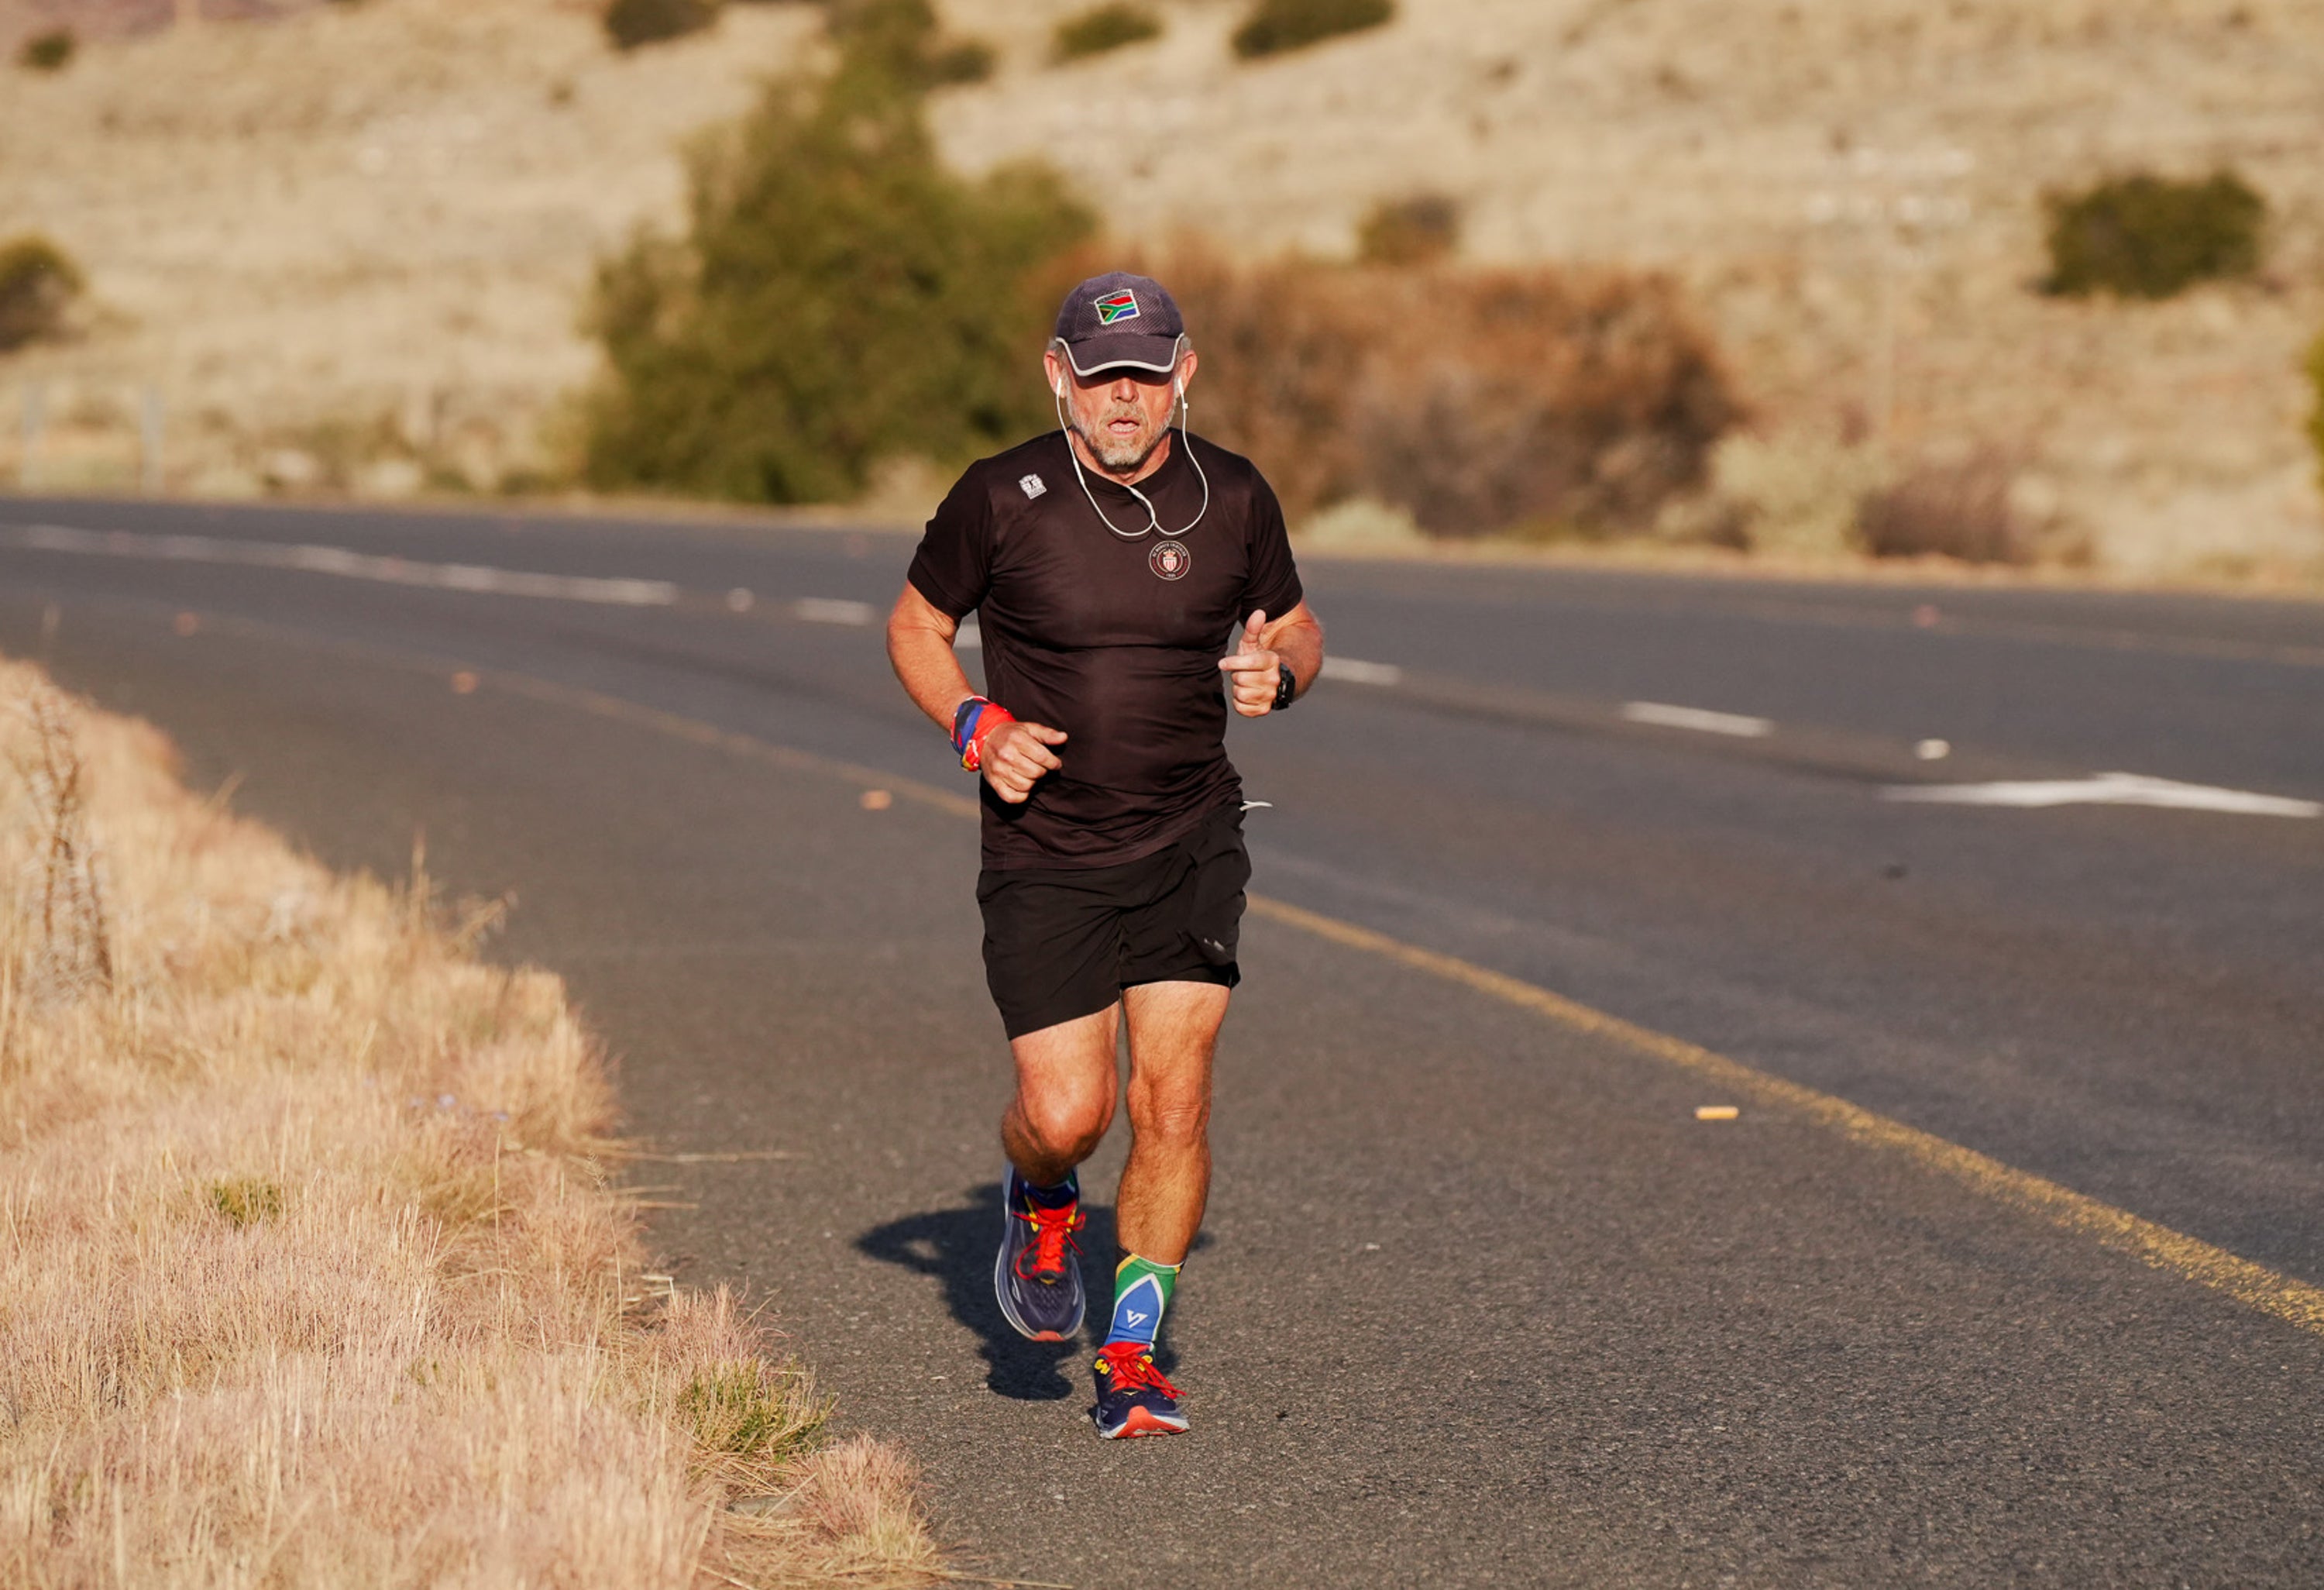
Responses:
[312,1273]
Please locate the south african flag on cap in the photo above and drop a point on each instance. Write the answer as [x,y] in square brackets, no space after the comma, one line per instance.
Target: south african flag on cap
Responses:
[1116,307]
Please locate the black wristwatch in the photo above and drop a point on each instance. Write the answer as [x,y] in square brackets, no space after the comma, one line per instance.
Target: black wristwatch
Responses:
[1286,686]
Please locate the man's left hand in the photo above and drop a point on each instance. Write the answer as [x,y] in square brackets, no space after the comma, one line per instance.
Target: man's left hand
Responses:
[1253,673]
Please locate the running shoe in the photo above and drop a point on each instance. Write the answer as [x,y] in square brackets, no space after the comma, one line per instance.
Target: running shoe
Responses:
[1133,1399]
[1038,1276]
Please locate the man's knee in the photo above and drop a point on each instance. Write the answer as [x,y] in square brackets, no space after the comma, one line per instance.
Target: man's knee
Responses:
[1068,1123]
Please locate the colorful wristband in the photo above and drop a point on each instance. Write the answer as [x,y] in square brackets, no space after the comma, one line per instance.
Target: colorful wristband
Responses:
[973,721]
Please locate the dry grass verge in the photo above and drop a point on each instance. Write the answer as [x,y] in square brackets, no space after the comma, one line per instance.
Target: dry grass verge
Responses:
[313,1274]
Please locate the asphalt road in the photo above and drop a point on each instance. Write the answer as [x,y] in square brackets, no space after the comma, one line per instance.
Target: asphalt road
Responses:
[1480,1300]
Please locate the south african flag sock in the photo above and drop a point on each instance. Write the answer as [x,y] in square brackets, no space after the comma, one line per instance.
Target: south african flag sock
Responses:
[1141,1292]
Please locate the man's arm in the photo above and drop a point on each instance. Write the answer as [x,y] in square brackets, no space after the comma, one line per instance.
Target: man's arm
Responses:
[919,647]
[1294,640]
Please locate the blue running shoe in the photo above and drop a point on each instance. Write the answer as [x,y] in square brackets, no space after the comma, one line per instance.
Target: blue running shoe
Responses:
[1133,1399]
[1038,1276]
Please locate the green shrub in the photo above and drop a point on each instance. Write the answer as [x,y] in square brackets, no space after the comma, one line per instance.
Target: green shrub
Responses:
[839,297]
[750,1409]
[50,52]
[246,1200]
[1108,27]
[2148,237]
[38,282]
[1277,25]
[964,60]
[1480,401]
[634,22]
[1416,231]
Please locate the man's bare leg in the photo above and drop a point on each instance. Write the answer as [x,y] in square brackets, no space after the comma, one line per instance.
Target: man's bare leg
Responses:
[1066,1083]
[1174,1031]
[1063,1104]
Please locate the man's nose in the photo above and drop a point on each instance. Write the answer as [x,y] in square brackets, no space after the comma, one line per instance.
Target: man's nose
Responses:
[1125,389]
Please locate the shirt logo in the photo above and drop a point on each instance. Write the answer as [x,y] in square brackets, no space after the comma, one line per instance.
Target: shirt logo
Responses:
[1170,560]
[1136,1317]
[1117,306]
[1032,485]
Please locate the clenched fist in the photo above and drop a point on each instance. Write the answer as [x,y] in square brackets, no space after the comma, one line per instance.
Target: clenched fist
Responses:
[1015,756]
[1254,674]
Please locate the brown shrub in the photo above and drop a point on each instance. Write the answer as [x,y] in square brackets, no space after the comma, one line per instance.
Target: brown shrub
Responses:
[1481,400]
[1959,510]
[1418,230]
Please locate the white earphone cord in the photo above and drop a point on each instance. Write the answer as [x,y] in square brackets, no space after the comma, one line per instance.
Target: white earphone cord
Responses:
[1154,520]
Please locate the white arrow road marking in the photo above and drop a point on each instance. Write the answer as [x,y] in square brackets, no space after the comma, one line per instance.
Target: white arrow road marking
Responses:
[1697,718]
[2108,789]
[1348,670]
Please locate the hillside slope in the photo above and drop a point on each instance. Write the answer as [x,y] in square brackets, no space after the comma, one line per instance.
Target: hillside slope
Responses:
[1834,180]
[352,244]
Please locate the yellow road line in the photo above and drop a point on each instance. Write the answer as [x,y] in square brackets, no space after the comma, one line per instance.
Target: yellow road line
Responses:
[2296,1302]
[2164,1249]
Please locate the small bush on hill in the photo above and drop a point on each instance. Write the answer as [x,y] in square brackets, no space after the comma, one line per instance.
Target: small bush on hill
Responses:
[2148,237]
[630,24]
[38,282]
[2316,414]
[965,61]
[1277,25]
[840,298]
[1480,403]
[1416,231]
[1960,511]
[1108,27]
[52,51]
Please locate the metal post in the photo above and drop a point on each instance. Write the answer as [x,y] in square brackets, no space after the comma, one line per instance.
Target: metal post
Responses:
[149,438]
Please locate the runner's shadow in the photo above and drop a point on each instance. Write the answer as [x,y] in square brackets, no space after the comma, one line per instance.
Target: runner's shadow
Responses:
[956,1246]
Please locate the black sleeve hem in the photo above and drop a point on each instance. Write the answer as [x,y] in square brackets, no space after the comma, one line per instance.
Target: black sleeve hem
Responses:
[942,600]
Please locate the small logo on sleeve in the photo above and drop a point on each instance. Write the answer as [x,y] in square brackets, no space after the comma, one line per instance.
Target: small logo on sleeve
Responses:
[1117,306]
[1032,485]
[1170,560]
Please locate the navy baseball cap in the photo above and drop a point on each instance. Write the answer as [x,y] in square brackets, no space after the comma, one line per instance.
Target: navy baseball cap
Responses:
[1119,320]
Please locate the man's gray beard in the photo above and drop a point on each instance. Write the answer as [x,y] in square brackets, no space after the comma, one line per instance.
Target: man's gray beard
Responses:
[1120,458]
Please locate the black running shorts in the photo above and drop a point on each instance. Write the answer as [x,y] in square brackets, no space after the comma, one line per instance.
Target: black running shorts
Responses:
[1062,943]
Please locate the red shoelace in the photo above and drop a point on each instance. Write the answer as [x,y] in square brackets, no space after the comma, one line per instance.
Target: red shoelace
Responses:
[1132,1370]
[1052,1234]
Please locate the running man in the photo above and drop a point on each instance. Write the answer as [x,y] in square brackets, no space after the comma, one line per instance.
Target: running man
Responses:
[1109,562]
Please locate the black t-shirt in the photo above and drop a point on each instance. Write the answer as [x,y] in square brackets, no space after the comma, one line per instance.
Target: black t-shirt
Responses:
[1113,638]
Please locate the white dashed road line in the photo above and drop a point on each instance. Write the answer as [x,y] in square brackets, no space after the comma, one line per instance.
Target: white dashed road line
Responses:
[2112,788]
[2108,789]
[342,563]
[345,564]
[1348,670]
[1700,719]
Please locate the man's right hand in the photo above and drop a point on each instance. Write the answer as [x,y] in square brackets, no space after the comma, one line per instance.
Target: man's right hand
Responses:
[1016,755]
